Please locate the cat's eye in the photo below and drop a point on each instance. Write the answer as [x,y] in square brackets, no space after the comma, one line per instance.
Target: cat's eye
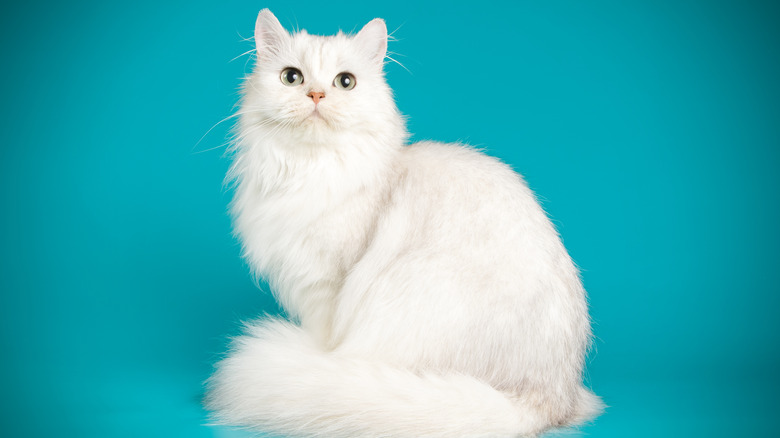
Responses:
[292,76]
[344,81]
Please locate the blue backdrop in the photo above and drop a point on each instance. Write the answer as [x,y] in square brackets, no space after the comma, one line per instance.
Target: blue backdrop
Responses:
[649,129]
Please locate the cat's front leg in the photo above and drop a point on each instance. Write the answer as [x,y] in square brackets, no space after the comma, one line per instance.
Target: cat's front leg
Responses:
[313,307]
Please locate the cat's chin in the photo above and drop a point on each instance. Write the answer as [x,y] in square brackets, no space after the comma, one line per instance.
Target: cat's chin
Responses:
[314,128]
[316,120]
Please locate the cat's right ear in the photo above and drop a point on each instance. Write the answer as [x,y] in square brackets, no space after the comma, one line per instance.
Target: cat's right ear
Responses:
[269,33]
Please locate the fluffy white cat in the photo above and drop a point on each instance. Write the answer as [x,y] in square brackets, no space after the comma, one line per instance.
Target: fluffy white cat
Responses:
[429,294]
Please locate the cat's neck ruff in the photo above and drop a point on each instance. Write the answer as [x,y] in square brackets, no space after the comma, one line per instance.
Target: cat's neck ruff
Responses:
[332,164]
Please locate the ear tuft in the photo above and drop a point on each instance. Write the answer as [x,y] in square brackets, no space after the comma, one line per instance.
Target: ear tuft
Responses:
[373,40]
[269,33]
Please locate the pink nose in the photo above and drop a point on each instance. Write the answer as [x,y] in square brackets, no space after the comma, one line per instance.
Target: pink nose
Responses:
[316,96]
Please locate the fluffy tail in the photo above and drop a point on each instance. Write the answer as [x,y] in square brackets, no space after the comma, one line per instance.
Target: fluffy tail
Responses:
[277,379]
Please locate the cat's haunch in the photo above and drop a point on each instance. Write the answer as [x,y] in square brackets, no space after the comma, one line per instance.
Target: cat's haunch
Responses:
[428,292]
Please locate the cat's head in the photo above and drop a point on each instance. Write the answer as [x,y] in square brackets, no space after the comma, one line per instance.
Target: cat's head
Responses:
[313,86]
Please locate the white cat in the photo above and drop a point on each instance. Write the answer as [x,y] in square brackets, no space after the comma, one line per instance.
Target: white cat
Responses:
[431,296]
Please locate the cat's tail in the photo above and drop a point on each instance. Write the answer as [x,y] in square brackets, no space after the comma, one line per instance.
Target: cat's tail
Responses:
[276,379]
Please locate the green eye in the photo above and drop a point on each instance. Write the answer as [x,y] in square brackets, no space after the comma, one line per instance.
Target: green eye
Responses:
[345,81]
[292,76]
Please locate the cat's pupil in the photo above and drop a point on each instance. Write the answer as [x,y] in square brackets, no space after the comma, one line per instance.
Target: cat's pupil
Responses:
[292,76]
[345,81]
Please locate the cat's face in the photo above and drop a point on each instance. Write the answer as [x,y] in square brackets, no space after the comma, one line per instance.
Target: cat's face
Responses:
[312,85]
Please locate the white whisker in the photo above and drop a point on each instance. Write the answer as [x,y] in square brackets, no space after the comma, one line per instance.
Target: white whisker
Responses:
[243,38]
[239,113]
[397,62]
[245,53]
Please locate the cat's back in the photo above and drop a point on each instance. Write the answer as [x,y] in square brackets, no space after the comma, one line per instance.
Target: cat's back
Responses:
[451,175]
[446,160]
[454,199]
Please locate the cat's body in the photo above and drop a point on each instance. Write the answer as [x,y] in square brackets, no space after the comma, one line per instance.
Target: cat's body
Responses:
[431,293]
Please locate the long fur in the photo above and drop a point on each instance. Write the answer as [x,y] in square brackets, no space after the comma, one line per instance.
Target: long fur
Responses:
[428,291]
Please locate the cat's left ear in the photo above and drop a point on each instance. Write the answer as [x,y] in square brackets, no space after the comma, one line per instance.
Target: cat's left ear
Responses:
[372,39]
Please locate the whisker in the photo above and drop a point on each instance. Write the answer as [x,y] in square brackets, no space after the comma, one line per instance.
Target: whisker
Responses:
[391,35]
[245,53]
[397,62]
[243,38]
[239,113]
[210,149]
[241,136]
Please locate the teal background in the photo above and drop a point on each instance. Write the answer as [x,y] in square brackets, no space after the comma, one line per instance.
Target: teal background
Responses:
[649,129]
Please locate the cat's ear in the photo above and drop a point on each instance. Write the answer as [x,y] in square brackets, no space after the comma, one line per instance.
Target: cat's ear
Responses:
[269,33]
[372,39]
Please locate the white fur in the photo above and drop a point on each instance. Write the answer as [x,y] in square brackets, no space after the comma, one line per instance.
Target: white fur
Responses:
[430,293]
